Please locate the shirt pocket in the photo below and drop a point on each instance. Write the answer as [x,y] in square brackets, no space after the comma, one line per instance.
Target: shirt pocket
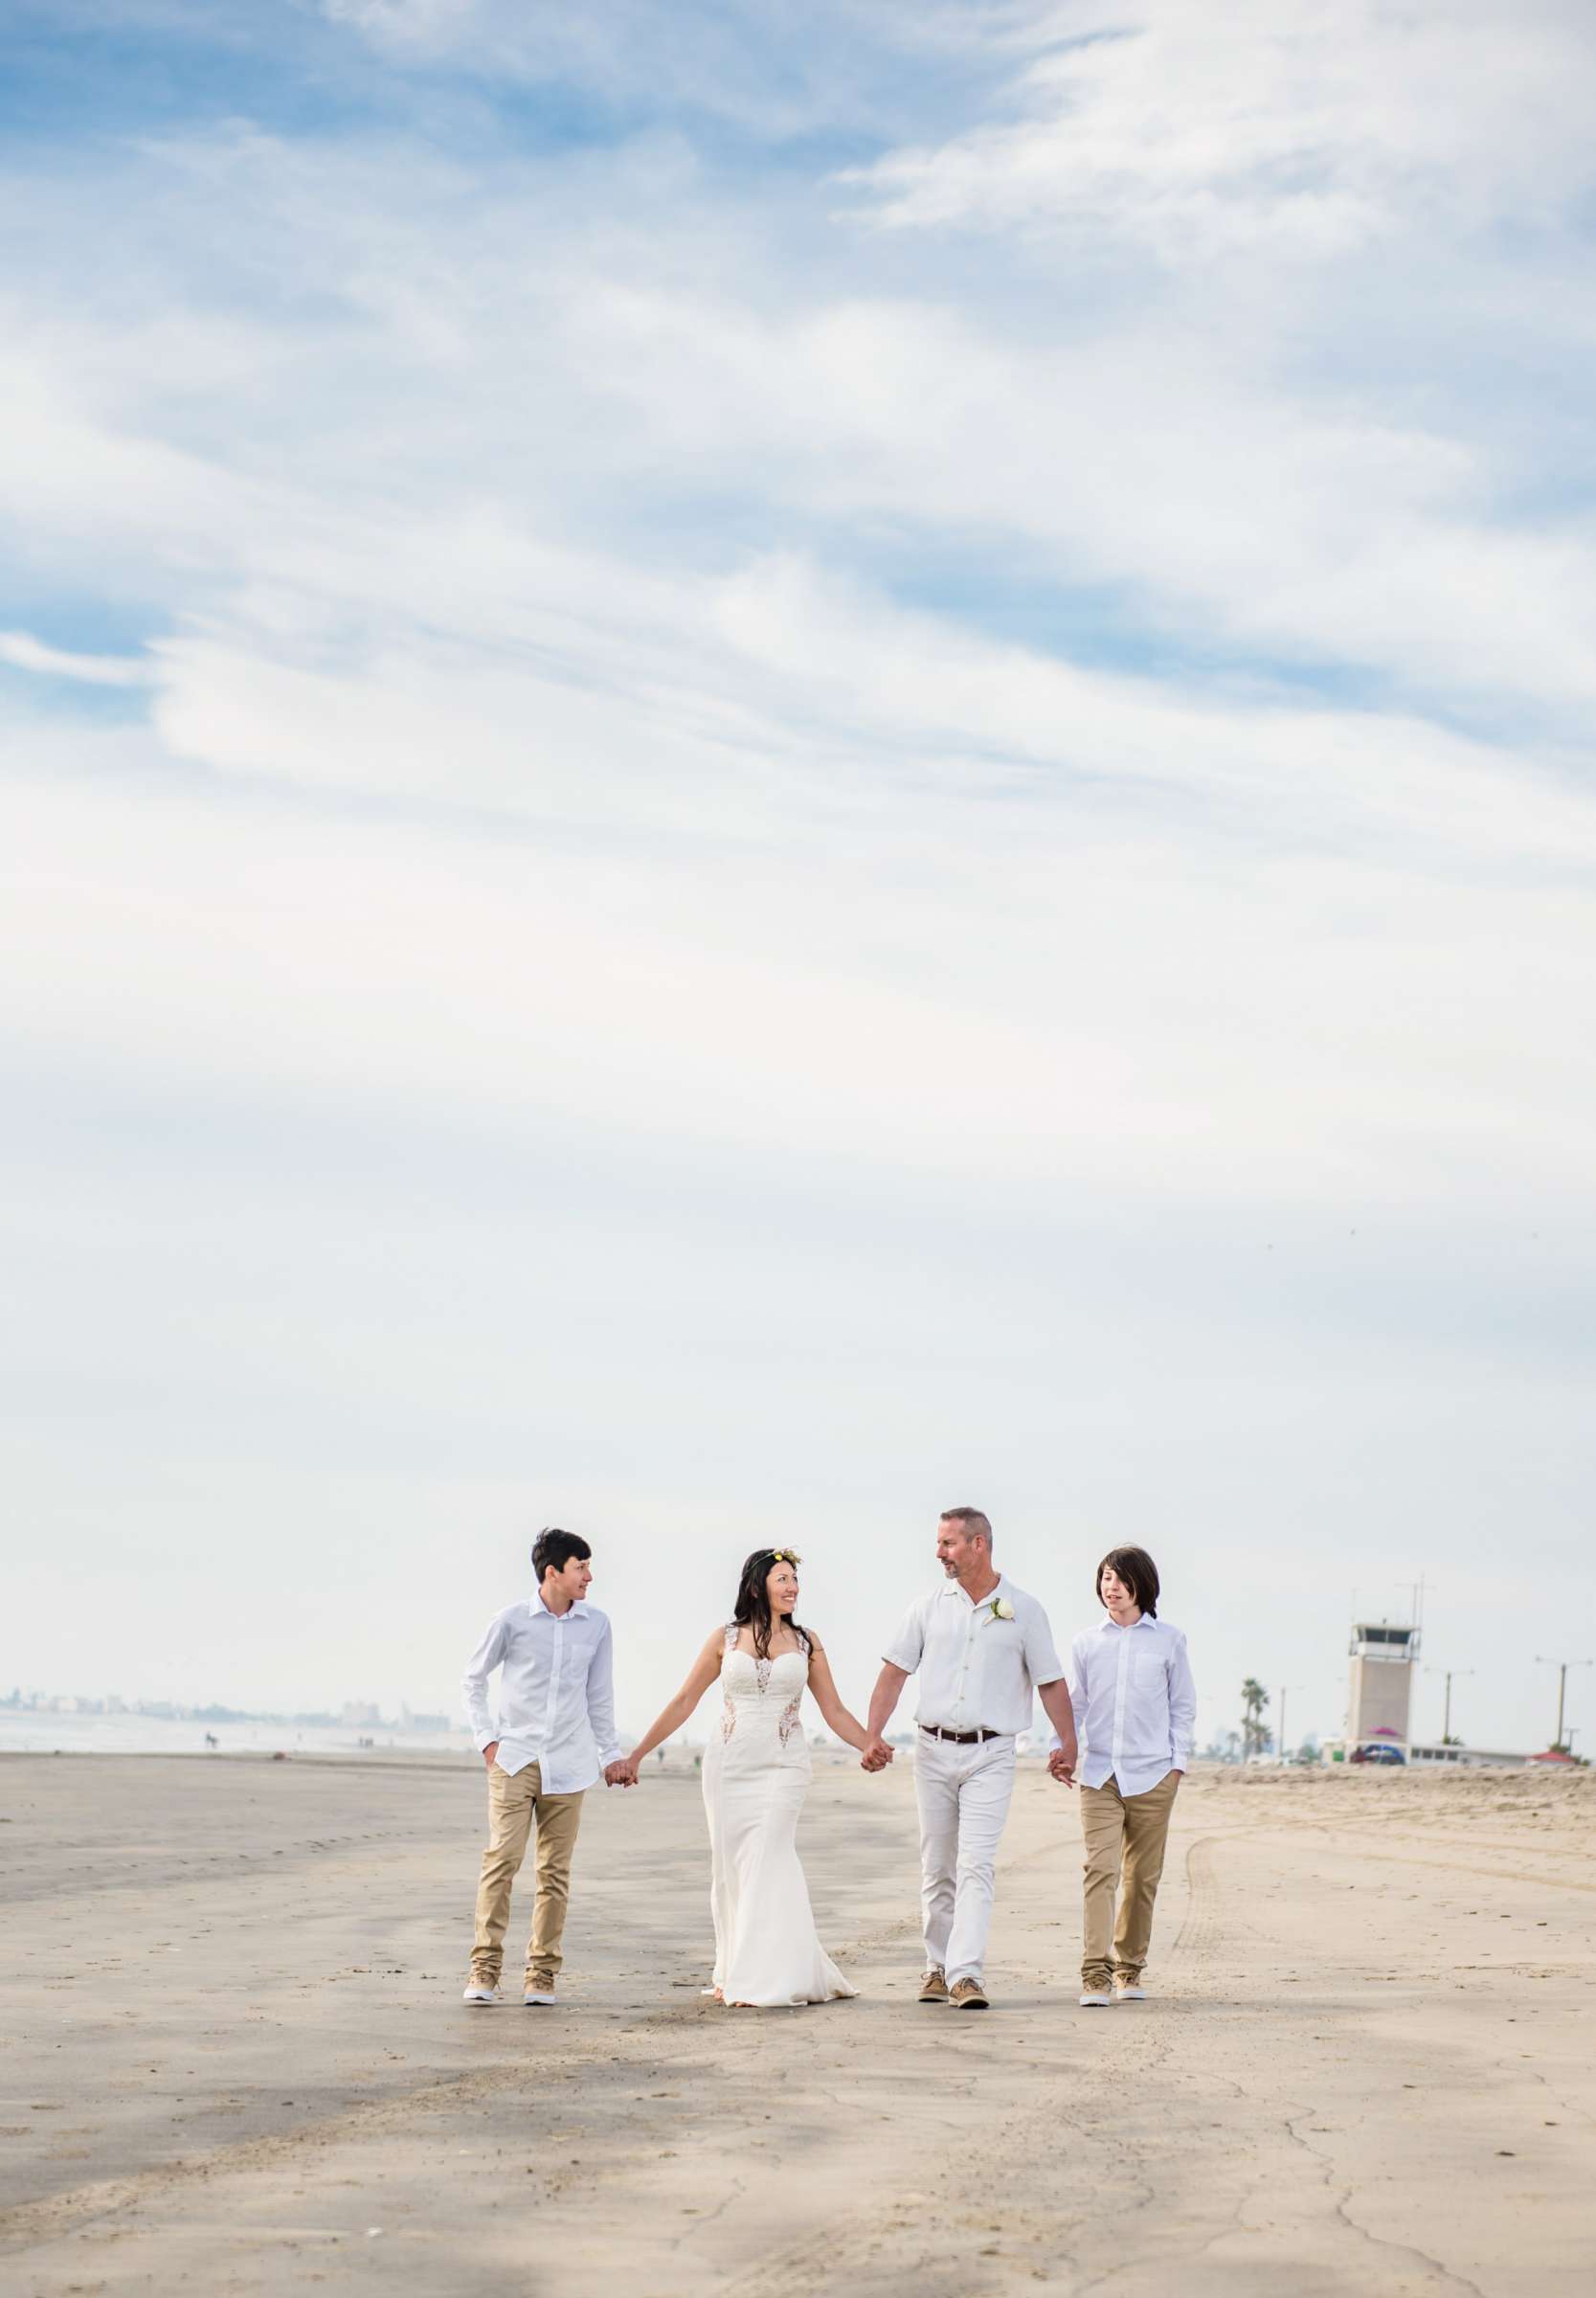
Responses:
[1146,1666]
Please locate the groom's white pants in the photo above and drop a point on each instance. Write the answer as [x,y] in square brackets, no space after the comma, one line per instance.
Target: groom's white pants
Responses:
[964,1794]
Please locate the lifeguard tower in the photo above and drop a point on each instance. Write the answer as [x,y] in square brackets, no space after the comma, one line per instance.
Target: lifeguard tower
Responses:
[1380,1687]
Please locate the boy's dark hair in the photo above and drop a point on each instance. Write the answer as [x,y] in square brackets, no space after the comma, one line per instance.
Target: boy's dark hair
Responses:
[556,1548]
[1139,1573]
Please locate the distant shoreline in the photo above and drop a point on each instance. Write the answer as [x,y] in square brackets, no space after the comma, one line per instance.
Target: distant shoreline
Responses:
[415,1758]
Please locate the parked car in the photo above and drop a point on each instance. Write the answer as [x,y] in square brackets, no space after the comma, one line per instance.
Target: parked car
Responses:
[1376,1752]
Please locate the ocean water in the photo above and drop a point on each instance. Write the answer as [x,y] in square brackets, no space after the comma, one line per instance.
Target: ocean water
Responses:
[21,1733]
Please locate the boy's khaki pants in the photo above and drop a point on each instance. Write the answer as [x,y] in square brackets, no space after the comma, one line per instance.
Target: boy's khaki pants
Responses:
[514,1801]
[1125,1851]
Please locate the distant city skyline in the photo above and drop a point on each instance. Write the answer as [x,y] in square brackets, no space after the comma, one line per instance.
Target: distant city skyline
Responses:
[356,1713]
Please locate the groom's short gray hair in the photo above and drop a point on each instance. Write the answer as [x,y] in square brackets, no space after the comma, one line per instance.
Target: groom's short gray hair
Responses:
[973,1522]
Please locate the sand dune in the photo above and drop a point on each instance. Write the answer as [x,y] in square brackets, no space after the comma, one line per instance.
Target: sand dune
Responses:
[235,2057]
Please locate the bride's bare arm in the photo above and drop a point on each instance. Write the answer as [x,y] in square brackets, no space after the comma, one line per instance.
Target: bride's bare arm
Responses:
[827,1700]
[704,1669]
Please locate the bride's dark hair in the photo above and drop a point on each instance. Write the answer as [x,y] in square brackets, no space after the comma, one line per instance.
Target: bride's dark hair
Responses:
[754,1605]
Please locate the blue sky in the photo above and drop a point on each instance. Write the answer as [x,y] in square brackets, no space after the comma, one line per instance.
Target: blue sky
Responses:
[766,765]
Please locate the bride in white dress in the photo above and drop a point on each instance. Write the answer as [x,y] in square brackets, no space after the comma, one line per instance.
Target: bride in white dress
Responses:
[756,1776]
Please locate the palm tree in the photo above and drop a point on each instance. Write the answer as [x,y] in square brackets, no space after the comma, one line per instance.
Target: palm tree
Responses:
[1254,1701]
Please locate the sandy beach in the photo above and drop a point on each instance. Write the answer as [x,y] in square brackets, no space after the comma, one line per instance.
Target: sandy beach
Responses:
[235,2057]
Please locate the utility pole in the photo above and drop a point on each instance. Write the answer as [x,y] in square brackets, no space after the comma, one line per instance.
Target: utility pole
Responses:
[1446,1710]
[1563,1667]
[1280,1725]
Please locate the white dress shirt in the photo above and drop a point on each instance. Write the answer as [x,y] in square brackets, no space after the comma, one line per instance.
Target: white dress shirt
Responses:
[1134,1703]
[977,1672]
[556,1694]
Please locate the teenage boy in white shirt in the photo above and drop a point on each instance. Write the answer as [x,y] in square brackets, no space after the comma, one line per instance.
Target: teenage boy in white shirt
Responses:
[555,1729]
[1135,1707]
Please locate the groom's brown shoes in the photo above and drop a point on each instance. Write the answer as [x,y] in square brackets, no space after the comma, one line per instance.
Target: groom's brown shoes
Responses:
[968,1996]
[934,1988]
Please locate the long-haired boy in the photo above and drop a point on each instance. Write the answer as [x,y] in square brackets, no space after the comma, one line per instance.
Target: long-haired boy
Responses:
[1135,1706]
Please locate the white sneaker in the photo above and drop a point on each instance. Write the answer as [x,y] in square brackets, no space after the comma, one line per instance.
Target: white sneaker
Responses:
[541,1997]
[1094,1999]
[1129,1994]
[481,1993]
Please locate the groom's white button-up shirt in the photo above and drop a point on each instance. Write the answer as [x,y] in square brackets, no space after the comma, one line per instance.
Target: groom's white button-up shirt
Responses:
[1134,1703]
[556,1694]
[978,1671]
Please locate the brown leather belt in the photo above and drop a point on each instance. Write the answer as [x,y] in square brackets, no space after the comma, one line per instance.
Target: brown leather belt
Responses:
[959,1738]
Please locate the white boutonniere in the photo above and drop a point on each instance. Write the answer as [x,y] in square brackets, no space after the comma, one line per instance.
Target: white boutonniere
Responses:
[1000,1608]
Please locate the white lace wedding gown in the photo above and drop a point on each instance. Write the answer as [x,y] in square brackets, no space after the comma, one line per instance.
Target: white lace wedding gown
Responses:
[756,1777]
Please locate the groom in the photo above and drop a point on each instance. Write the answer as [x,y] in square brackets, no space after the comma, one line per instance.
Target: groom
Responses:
[556,1725]
[982,1648]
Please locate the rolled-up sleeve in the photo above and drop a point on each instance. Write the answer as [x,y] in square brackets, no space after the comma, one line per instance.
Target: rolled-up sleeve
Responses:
[478,1669]
[1182,1703]
[601,1696]
[907,1648]
[1042,1663]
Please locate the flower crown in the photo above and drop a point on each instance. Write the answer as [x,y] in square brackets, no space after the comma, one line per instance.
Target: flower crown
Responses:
[786,1556]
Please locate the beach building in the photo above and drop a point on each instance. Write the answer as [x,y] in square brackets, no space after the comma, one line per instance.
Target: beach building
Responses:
[1379,1699]
[1489,1759]
[1431,1754]
[1380,1684]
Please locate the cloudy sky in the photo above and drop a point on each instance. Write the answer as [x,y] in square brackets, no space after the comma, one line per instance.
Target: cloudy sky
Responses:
[769,764]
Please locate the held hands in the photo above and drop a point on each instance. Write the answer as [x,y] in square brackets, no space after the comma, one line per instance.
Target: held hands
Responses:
[1061,1765]
[623,1773]
[877,1755]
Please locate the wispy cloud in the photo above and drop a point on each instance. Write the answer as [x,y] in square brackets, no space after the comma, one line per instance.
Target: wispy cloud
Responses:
[854,704]
[1275,126]
[24,653]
